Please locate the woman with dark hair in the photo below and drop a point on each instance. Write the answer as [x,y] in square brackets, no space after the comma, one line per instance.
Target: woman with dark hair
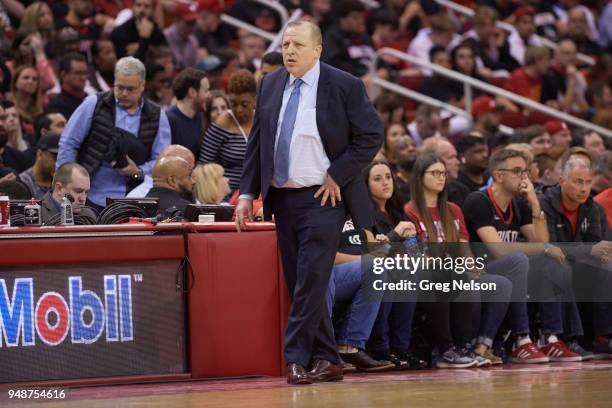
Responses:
[27,96]
[217,104]
[226,138]
[463,60]
[28,49]
[440,223]
[391,334]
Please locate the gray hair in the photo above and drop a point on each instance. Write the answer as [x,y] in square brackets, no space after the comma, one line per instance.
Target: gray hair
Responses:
[574,163]
[130,66]
[315,31]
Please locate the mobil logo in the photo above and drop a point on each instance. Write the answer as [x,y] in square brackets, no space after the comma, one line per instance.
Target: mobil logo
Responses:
[51,317]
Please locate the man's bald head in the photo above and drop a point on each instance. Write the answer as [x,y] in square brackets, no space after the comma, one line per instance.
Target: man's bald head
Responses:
[178,151]
[445,150]
[174,173]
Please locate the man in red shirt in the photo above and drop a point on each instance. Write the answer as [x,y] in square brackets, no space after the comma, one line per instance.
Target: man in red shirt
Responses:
[528,80]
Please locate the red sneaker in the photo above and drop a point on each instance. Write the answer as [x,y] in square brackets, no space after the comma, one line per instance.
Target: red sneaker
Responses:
[558,351]
[528,354]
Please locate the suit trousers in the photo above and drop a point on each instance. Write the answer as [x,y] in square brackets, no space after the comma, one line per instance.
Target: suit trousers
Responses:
[308,237]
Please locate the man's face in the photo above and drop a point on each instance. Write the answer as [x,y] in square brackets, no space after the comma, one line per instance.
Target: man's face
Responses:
[128,90]
[12,122]
[477,157]
[442,58]
[82,8]
[485,30]
[58,123]
[354,22]
[200,100]
[428,127]
[577,185]
[46,161]
[182,181]
[76,77]
[142,9]
[78,188]
[525,26]
[594,144]
[562,138]
[577,23]
[566,53]
[184,28]
[512,173]
[448,154]
[107,57]
[300,53]
[252,47]
[542,142]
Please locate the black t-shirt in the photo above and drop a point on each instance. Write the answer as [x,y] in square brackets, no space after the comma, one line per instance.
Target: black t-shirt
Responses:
[479,212]
[352,241]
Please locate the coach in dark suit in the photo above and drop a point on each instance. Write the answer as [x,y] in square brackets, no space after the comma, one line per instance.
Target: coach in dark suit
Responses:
[314,131]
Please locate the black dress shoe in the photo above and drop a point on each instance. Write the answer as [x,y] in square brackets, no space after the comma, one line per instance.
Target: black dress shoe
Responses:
[297,375]
[364,362]
[414,363]
[393,358]
[347,368]
[323,370]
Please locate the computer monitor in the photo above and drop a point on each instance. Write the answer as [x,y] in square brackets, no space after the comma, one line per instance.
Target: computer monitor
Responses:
[222,213]
[150,205]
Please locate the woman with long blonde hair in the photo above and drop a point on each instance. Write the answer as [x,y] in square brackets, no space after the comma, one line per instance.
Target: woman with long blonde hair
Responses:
[27,96]
[38,17]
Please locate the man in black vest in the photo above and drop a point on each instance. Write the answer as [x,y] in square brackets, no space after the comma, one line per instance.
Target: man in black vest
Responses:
[117,135]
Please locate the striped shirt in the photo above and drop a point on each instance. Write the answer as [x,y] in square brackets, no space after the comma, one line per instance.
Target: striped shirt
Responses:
[224,148]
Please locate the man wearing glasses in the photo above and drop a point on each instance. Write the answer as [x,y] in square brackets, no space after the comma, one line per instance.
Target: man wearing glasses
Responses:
[116,136]
[505,213]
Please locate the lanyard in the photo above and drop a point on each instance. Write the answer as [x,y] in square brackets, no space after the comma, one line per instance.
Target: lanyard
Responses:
[498,210]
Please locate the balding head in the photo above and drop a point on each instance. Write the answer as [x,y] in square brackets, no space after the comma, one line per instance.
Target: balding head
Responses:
[178,151]
[174,173]
[445,150]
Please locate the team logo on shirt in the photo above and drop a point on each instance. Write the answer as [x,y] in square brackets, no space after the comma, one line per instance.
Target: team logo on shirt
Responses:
[355,239]
[508,235]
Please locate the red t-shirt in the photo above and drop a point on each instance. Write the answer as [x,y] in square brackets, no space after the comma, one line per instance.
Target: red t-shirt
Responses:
[435,216]
[572,217]
[524,85]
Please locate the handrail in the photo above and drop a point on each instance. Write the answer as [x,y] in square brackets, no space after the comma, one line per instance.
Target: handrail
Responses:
[508,27]
[419,97]
[471,82]
[276,6]
[372,4]
[233,21]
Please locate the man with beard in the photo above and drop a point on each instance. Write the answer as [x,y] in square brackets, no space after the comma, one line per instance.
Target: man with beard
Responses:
[172,183]
[474,158]
[485,113]
[138,33]
[191,88]
[38,178]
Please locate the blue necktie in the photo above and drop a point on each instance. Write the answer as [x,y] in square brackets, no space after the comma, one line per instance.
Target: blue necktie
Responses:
[281,159]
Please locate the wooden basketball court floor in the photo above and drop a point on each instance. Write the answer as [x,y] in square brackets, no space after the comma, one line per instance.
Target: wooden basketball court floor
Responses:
[587,384]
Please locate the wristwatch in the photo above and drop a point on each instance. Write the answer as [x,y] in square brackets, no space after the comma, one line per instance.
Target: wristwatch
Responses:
[139,175]
[546,247]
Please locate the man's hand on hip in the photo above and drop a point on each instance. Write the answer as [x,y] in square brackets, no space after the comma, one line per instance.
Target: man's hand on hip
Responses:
[244,212]
[330,190]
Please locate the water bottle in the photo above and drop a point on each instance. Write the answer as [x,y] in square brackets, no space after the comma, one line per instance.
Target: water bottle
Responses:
[66,212]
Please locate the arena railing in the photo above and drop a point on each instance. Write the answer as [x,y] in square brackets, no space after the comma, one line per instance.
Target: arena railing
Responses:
[469,83]
[451,5]
[282,12]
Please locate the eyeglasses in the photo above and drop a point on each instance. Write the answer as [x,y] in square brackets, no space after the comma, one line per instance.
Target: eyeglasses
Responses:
[517,171]
[438,173]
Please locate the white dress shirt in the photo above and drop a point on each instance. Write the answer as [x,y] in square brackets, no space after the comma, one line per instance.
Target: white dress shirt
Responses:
[308,162]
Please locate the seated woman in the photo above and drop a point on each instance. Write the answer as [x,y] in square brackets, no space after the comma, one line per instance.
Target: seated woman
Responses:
[440,222]
[226,138]
[210,185]
[391,334]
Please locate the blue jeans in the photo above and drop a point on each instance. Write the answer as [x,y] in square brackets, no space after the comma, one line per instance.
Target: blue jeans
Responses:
[491,311]
[393,326]
[344,286]
[515,267]
[554,291]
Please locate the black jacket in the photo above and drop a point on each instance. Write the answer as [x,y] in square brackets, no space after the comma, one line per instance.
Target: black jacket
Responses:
[169,198]
[348,125]
[127,33]
[591,225]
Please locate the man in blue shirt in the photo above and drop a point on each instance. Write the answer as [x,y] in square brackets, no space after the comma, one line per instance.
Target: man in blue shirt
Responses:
[116,136]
